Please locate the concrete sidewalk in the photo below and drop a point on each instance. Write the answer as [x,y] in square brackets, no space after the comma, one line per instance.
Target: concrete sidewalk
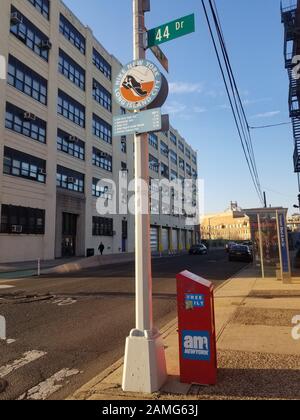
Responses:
[257,356]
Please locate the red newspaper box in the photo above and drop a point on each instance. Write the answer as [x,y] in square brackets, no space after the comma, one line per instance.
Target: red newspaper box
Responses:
[196,328]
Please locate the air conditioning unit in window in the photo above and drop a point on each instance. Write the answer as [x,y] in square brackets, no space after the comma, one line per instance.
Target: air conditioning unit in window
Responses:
[72,139]
[16,229]
[16,18]
[46,45]
[28,116]
[71,180]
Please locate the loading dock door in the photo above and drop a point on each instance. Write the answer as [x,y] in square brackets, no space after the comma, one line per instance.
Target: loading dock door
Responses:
[175,239]
[154,239]
[183,239]
[165,239]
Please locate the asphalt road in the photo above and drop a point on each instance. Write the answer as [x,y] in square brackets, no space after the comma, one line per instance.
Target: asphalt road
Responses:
[68,329]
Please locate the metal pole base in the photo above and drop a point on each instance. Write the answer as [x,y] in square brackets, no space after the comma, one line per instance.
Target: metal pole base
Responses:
[145,363]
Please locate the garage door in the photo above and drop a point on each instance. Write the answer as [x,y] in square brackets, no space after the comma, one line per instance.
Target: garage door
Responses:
[165,239]
[175,239]
[154,239]
[190,238]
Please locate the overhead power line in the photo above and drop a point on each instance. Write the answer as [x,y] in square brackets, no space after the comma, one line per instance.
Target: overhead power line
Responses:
[270,126]
[234,97]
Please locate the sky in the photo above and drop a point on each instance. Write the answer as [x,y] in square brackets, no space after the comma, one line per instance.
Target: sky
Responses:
[197,103]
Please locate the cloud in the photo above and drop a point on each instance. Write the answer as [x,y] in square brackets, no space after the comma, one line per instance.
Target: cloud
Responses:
[199,110]
[269,114]
[174,108]
[184,88]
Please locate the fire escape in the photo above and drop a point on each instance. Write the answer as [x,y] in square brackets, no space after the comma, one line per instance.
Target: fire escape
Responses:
[291,20]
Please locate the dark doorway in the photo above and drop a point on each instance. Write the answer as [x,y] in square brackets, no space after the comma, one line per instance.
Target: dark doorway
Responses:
[124,235]
[69,232]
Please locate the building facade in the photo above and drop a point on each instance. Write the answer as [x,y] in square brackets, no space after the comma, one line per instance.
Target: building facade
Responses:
[56,142]
[231,225]
[290,13]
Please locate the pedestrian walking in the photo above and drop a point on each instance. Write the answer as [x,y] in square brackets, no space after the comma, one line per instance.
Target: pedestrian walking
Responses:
[101,248]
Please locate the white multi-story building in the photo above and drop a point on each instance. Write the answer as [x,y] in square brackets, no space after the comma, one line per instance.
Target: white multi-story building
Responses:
[56,142]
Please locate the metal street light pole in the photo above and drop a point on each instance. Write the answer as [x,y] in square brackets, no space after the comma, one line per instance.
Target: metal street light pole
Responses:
[144,363]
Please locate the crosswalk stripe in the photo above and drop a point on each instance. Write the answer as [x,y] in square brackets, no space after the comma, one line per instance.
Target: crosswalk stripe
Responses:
[45,389]
[6,286]
[27,358]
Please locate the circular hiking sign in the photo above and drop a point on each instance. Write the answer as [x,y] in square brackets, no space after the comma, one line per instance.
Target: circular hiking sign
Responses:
[137,85]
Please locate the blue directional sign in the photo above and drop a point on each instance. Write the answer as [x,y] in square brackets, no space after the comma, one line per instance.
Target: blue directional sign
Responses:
[137,123]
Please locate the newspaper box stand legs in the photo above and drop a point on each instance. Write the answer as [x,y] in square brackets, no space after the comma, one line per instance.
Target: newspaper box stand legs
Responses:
[196,328]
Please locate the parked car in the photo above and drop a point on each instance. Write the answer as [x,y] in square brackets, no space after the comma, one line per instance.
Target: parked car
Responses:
[249,244]
[229,246]
[199,249]
[240,253]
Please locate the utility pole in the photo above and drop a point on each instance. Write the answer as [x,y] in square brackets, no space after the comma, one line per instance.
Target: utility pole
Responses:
[145,364]
[265,200]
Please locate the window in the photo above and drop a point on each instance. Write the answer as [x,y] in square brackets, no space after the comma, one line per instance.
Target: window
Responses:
[181,146]
[188,169]
[124,144]
[70,144]
[153,163]
[71,34]
[32,127]
[26,80]
[69,179]
[43,6]
[71,109]
[153,140]
[173,138]
[194,174]
[102,129]
[102,96]
[173,157]
[194,159]
[174,175]
[71,70]
[16,219]
[102,160]
[164,170]
[164,149]
[103,226]
[99,190]
[101,64]
[24,166]
[188,153]
[181,164]
[31,36]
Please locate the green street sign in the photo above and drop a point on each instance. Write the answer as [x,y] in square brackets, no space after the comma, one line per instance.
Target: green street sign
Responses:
[171,30]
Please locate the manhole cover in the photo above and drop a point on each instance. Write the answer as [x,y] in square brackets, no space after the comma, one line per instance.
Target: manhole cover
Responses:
[3,385]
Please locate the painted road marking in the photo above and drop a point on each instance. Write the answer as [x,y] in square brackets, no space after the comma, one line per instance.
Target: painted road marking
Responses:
[44,389]
[8,341]
[27,358]
[6,286]
[64,301]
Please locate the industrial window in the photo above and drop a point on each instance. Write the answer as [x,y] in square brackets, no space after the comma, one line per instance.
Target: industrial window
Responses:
[181,164]
[72,34]
[70,144]
[102,160]
[71,70]
[164,149]
[43,6]
[101,64]
[26,80]
[181,146]
[100,190]
[173,138]
[188,153]
[102,129]
[103,226]
[30,35]
[69,179]
[153,140]
[174,175]
[188,169]
[153,163]
[22,220]
[24,166]
[124,144]
[102,96]
[25,123]
[194,159]
[164,170]
[71,109]
[173,157]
